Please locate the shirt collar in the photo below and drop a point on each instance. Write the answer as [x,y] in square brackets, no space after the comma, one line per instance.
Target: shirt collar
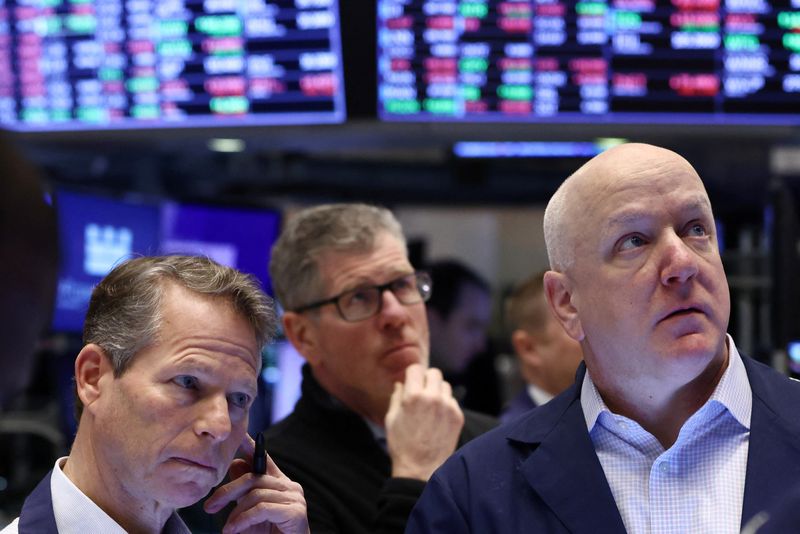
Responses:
[75,513]
[73,510]
[732,391]
[378,432]
[538,395]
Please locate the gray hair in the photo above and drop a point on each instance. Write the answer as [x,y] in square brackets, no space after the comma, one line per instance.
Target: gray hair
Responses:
[557,237]
[313,231]
[125,314]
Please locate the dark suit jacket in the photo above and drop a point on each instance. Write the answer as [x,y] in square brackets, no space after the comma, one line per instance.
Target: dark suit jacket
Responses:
[37,516]
[519,405]
[540,473]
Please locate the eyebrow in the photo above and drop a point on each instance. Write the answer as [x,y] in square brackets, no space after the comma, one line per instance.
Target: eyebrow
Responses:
[697,205]
[364,281]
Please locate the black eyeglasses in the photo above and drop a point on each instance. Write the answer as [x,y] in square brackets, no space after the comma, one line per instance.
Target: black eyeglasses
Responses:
[364,302]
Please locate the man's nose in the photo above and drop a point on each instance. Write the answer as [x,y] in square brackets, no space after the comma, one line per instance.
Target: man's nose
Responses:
[679,260]
[214,418]
[393,311]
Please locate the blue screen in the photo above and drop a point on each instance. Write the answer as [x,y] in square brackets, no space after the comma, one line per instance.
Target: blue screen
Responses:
[98,232]
[237,237]
[95,234]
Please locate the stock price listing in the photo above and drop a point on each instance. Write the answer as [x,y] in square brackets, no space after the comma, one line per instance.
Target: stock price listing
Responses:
[72,64]
[723,61]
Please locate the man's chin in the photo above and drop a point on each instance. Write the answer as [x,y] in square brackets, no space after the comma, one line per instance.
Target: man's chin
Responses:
[186,493]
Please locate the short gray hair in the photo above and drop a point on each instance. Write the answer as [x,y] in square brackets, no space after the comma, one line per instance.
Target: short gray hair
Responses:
[125,312]
[313,231]
[557,237]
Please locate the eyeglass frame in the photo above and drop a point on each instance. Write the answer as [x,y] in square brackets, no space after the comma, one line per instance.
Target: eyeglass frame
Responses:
[421,276]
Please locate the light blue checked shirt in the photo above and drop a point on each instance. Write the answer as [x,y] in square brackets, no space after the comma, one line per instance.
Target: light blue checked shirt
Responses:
[695,486]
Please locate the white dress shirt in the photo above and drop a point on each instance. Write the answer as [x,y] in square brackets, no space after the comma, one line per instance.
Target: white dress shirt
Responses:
[75,513]
[695,486]
[538,395]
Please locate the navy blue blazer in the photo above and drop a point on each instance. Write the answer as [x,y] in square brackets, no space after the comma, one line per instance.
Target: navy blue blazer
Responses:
[540,473]
[519,405]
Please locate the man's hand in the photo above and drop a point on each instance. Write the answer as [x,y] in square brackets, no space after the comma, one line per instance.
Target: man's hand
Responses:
[422,424]
[268,503]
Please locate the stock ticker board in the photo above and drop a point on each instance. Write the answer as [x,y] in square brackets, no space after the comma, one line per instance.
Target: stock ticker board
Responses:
[96,64]
[597,61]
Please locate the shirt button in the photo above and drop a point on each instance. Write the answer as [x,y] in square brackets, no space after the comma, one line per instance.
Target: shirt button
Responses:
[663,467]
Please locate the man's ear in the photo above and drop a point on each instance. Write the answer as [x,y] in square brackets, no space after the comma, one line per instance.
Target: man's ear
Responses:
[559,292]
[92,366]
[301,331]
[524,344]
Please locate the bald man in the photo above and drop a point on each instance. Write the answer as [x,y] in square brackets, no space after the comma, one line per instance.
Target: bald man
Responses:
[667,427]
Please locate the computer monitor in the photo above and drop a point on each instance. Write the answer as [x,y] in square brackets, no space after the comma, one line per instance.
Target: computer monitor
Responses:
[132,64]
[96,233]
[239,237]
[588,61]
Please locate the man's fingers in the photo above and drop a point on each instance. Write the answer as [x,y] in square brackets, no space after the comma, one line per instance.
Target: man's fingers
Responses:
[272,468]
[433,381]
[415,377]
[238,468]
[248,446]
[284,507]
[235,489]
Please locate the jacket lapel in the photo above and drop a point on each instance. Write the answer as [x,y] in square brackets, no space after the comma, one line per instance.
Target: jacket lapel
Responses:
[772,458]
[563,468]
[37,515]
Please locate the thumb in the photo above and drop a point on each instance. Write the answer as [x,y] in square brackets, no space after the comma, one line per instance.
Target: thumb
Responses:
[238,468]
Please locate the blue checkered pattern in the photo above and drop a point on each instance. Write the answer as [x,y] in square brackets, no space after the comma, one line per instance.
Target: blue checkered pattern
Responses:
[695,486]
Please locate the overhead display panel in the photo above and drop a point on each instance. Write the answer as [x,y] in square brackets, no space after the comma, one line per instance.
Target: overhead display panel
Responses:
[614,61]
[118,64]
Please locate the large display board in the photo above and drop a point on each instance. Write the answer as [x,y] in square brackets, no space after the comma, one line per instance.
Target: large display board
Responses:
[95,64]
[662,61]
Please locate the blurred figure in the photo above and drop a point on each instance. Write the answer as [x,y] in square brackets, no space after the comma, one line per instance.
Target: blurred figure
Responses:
[548,357]
[29,248]
[374,421]
[459,312]
[163,383]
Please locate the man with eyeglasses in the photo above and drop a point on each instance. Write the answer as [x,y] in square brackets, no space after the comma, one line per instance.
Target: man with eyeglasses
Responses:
[374,421]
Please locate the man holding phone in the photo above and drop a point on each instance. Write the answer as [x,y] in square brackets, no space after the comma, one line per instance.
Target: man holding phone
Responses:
[163,383]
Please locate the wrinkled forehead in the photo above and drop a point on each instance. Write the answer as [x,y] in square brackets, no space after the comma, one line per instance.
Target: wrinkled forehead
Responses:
[626,184]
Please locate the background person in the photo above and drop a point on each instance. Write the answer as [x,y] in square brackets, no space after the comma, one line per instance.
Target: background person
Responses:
[459,312]
[667,428]
[29,248]
[547,356]
[373,421]
[164,383]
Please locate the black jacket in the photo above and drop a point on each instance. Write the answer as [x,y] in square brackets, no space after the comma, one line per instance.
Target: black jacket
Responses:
[331,452]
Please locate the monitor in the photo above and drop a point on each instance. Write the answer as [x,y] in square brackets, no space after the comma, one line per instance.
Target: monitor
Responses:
[284,375]
[96,233]
[235,236]
[70,65]
[589,61]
